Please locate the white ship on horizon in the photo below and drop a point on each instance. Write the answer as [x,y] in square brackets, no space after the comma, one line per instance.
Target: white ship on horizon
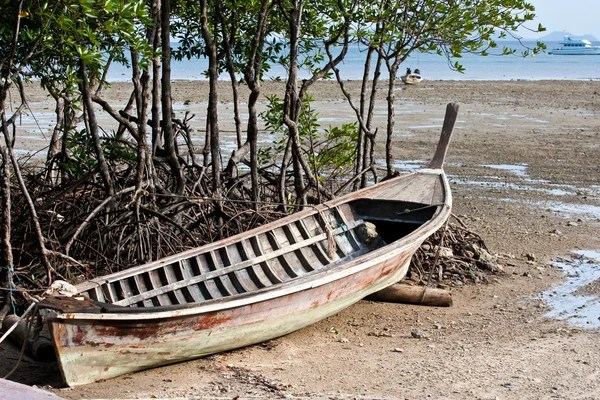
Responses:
[570,46]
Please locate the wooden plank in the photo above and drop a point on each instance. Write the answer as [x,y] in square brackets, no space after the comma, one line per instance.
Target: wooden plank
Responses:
[168,276]
[226,256]
[209,285]
[416,188]
[255,272]
[438,195]
[264,266]
[274,239]
[307,264]
[154,281]
[123,289]
[191,291]
[141,285]
[294,235]
[343,211]
[238,254]
[215,263]
[274,262]
[317,257]
[96,294]
[109,292]
[218,272]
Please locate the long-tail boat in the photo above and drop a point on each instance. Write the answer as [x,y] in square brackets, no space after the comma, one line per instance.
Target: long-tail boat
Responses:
[252,287]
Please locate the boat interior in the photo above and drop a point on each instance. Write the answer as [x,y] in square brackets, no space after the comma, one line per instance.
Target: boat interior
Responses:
[262,258]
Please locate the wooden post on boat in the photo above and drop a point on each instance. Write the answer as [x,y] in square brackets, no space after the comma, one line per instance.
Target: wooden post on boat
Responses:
[449,119]
[419,295]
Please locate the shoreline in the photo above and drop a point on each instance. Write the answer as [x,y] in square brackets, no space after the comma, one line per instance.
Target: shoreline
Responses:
[197,90]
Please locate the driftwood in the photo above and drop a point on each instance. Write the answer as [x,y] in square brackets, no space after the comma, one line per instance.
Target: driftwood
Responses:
[41,349]
[419,295]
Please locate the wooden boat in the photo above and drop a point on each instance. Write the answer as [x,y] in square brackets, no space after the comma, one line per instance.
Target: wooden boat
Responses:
[252,287]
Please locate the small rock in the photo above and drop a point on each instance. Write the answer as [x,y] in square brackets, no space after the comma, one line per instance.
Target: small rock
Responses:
[438,326]
[367,233]
[344,340]
[398,350]
[530,256]
[555,232]
[444,251]
[418,334]
[482,254]
[526,274]
[571,223]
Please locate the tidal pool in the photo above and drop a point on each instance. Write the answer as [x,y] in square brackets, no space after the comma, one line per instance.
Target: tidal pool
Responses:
[581,269]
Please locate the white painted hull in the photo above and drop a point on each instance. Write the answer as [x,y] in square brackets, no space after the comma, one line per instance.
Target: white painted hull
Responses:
[567,52]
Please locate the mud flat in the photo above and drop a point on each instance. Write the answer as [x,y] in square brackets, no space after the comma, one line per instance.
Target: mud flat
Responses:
[525,169]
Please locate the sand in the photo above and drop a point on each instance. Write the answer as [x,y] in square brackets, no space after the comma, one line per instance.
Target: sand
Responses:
[524,166]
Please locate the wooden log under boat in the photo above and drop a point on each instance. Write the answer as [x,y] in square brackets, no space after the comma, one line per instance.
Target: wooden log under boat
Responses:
[252,287]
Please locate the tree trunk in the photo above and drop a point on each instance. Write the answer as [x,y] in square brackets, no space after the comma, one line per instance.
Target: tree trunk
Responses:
[55,147]
[92,125]
[5,228]
[369,143]
[252,77]
[391,119]
[292,101]
[167,101]
[212,114]
[253,139]
[361,133]
[156,81]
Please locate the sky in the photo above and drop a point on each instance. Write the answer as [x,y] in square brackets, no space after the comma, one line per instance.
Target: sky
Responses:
[579,17]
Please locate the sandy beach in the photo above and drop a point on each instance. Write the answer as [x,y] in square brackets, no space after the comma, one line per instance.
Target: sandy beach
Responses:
[524,165]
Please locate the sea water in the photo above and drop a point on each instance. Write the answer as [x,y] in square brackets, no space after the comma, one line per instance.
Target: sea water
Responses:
[542,66]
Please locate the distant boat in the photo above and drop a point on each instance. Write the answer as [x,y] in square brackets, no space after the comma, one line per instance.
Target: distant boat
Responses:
[570,46]
[412,78]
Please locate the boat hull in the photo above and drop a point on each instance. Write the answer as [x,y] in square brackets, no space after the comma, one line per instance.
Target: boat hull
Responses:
[92,350]
[587,52]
